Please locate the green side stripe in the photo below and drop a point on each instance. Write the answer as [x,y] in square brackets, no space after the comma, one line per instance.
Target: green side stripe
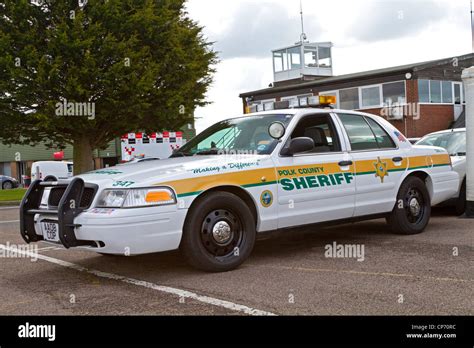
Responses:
[186,194]
[419,167]
[403,169]
[260,184]
[397,170]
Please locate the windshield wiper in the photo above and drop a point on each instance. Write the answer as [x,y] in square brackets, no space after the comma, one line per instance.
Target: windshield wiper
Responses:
[208,152]
[180,154]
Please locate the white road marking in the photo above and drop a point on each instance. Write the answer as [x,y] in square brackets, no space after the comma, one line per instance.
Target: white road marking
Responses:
[174,291]
[9,222]
[9,208]
[383,274]
[49,248]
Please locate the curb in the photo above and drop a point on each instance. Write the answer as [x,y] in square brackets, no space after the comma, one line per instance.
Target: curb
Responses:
[10,203]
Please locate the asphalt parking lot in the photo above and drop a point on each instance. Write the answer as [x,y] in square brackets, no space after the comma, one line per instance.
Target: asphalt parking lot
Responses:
[430,273]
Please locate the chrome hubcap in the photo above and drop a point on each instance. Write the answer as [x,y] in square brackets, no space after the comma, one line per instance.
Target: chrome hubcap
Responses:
[414,207]
[221,232]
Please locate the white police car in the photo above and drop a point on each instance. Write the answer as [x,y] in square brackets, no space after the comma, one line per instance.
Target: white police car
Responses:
[266,171]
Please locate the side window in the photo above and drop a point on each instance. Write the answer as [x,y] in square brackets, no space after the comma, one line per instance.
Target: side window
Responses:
[383,139]
[321,129]
[360,134]
[365,133]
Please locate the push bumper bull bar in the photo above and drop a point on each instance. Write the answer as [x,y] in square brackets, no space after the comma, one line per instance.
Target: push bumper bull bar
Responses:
[67,210]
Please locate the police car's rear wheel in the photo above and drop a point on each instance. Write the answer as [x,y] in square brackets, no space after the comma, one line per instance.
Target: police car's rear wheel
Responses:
[413,208]
[219,233]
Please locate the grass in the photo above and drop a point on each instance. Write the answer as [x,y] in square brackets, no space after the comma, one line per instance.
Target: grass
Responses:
[14,195]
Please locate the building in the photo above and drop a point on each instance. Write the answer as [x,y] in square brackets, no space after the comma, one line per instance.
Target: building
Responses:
[416,98]
[16,160]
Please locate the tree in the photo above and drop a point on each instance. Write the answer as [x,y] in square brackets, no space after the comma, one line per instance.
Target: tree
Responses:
[83,74]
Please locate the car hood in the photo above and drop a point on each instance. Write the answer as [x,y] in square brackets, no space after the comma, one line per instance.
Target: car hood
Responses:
[153,172]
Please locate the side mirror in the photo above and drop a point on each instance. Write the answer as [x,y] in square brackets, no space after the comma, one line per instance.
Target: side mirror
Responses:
[298,145]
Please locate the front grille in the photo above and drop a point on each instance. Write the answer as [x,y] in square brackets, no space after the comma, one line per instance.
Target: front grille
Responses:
[57,192]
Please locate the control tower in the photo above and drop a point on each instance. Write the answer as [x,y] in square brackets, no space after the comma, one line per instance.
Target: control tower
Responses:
[302,61]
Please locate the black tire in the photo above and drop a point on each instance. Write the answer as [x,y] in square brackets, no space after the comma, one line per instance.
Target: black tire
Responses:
[7,185]
[50,178]
[461,201]
[412,210]
[218,215]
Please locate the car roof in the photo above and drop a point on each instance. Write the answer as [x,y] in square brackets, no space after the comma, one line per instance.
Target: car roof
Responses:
[453,130]
[273,112]
[295,111]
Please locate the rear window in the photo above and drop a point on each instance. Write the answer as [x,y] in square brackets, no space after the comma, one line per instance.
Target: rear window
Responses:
[454,142]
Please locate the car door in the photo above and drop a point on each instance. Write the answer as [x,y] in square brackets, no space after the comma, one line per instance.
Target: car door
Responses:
[317,185]
[379,163]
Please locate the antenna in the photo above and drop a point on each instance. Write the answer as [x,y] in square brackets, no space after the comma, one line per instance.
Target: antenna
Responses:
[303,35]
[472,30]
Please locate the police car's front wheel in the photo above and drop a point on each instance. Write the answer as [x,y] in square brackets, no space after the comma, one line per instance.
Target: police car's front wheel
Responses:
[219,232]
[413,207]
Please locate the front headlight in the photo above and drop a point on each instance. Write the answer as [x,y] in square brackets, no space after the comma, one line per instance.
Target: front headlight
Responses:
[133,198]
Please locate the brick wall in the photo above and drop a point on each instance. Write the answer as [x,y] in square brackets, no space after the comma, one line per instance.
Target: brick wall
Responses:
[432,118]
[411,126]
[14,170]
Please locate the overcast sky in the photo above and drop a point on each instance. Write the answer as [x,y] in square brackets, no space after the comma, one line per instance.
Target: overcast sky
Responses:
[367,34]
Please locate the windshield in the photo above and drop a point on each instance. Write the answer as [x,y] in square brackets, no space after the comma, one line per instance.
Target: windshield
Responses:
[243,135]
[454,142]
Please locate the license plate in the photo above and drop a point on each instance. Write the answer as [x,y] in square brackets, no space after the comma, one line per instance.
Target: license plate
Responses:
[50,231]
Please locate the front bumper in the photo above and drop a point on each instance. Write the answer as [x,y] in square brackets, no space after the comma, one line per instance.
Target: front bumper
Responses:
[130,231]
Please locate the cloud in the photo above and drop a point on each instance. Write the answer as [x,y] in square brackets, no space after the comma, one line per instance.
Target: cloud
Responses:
[258,28]
[387,20]
[233,76]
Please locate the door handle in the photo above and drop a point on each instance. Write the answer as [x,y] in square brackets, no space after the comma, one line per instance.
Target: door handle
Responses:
[345,163]
[397,159]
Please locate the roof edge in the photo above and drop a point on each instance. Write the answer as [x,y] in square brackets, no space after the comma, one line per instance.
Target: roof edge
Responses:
[370,73]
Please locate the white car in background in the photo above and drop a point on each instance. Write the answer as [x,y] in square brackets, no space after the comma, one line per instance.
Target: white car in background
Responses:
[454,141]
[51,170]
